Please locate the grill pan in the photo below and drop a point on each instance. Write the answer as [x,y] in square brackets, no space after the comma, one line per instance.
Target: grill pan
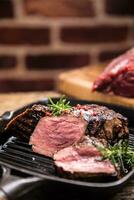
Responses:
[34,169]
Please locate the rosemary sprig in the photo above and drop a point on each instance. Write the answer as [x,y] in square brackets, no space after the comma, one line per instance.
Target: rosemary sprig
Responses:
[120,154]
[60,106]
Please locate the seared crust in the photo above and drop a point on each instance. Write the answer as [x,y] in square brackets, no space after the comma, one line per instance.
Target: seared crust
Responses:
[103,123]
[23,124]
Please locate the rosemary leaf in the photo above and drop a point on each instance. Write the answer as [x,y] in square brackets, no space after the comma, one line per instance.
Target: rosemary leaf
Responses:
[120,154]
[60,106]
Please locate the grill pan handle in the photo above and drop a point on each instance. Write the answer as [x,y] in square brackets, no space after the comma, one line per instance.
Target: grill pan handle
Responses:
[12,187]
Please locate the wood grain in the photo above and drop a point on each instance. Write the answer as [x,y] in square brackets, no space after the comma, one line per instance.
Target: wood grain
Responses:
[78,83]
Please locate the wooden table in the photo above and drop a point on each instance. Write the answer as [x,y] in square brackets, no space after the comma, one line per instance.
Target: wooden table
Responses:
[13,101]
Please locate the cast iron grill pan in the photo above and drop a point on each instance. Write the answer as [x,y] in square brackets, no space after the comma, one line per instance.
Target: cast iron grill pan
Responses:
[15,154]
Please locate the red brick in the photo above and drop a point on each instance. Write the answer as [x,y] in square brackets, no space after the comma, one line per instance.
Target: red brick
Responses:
[6,9]
[16,85]
[56,61]
[24,36]
[7,62]
[108,55]
[94,34]
[120,7]
[60,8]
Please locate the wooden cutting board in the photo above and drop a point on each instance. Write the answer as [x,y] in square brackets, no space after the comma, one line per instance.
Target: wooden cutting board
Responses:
[78,83]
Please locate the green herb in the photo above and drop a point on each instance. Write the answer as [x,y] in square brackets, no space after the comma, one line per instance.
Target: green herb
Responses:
[60,106]
[120,154]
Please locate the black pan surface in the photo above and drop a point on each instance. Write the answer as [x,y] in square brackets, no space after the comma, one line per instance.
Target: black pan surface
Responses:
[54,181]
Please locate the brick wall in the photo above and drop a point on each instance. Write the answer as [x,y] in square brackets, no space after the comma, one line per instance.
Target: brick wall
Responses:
[40,38]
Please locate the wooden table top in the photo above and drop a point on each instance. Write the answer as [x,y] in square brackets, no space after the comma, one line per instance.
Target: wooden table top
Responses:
[13,101]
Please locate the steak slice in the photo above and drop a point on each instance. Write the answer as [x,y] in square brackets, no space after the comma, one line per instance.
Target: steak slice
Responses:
[54,133]
[103,123]
[118,76]
[23,124]
[83,160]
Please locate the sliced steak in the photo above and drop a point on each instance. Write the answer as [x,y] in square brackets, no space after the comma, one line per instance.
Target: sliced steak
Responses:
[83,160]
[23,124]
[118,76]
[99,121]
[54,133]
[103,123]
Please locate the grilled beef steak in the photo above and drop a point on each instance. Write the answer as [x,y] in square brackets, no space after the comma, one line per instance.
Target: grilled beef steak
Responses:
[103,123]
[83,160]
[54,133]
[23,124]
[118,77]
